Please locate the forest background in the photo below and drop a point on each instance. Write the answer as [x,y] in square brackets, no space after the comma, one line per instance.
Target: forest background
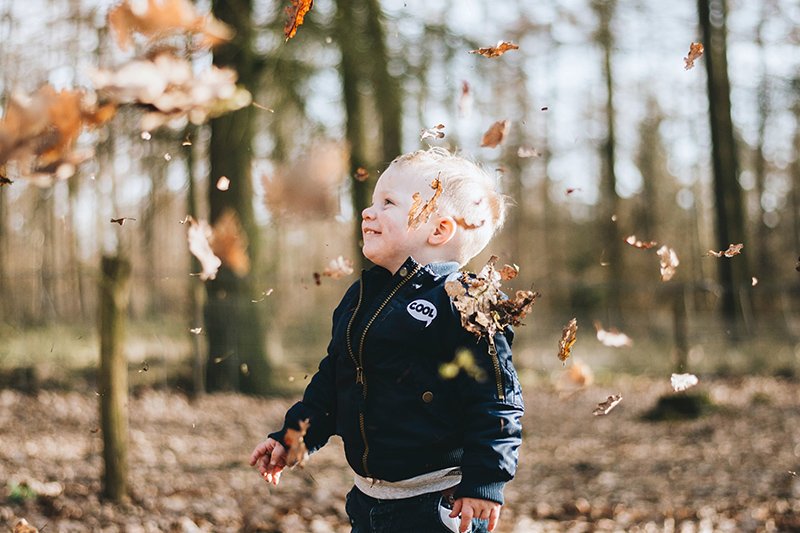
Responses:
[610,135]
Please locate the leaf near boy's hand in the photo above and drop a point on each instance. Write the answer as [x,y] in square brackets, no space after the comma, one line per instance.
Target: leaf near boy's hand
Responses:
[603,408]
[495,51]
[296,453]
[568,338]
[695,51]
[496,134]
[421,212]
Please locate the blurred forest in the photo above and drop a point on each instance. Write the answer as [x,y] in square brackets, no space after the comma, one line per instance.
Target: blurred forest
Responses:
[609,136]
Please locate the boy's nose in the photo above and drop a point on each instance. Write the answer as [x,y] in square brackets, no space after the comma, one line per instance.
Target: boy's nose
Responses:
[366,214]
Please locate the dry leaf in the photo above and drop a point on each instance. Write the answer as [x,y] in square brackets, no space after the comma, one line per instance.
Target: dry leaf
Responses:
[338,268]
[223,183]
[161,18]
[22,526]
[121,220]
[636,243]
[669,262]
[296,13]
[420,213]
[465,100]
[681,382]
[695,51]
[297,453]
[469,224]
[612,337]
[571,190]
[580,374]
[195,331]
[754,281]
[733,249]
[198,234]
[568,338]
[494,51]
[433,133]
[361,174]
[527,151]
[479,300]
[509,272]
[229,243]
[605,407]
[496,134]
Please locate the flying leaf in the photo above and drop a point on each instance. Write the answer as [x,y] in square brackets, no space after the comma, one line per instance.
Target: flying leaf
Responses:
[229,243]
[121,220]
[733,249]
[527,151]
[161,18]
[338,268]
[681,382]
[223,183]
[571,190]
[495,51]
[196,331]
[362,174]
[605,407]
[669,262]
[580,374]
[695,51]
[509,272]
[296,13]
[297,453]
[636,243]
[432,133]
[753,281]
[420,212]
[465,100]
[568,338]
[198,233]
[496,134]
[483,308]
[612,337]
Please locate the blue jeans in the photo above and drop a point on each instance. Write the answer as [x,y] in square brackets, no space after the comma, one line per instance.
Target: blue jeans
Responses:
[419,514]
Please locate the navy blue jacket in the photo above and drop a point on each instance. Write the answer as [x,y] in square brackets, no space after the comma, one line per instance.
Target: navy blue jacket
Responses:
[382,390]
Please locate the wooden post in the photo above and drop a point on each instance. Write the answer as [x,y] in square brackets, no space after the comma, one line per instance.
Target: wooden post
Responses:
[114,293]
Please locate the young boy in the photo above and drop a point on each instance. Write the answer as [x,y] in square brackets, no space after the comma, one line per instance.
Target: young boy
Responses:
[430,452]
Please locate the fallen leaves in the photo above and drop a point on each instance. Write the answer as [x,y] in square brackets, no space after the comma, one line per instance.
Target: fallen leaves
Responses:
[495,51]
[733,249]
[605,407]
[496,134]
[296,14]
[681,382]
[695,52]
[568,338]
[669,262]
[296,453]
[483,308]
[421,212]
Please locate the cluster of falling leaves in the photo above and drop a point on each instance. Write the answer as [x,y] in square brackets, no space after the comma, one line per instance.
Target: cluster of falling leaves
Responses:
[484,309]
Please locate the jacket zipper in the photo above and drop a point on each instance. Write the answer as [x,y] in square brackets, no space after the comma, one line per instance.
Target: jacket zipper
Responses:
[359,361]
[497,374]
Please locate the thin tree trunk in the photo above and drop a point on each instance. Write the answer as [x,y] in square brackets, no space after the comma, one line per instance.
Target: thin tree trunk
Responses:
[114,291]
[727,192]
[196,288]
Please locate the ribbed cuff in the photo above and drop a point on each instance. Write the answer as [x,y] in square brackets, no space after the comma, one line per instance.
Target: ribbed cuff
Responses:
[484,491]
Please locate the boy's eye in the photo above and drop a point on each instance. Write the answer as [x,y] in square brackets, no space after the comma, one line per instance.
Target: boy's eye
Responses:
[387,201]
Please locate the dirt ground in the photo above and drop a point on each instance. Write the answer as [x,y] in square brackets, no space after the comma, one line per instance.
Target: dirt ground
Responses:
[734,469]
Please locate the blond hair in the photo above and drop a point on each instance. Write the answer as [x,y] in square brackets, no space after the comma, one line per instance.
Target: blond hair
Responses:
[469,194]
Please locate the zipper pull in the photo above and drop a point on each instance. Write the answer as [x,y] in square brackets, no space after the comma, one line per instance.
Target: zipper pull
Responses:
[359,375]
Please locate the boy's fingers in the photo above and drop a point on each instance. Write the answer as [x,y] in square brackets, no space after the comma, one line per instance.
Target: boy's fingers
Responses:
[466,519]
[456,509]
[494,517]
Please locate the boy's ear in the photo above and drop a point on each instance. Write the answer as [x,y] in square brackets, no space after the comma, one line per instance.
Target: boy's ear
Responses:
[444,230]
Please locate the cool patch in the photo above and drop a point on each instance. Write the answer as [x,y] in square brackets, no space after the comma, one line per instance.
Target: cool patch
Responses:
[422,310]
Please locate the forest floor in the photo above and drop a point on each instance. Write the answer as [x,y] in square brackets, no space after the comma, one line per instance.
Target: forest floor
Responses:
[735,468]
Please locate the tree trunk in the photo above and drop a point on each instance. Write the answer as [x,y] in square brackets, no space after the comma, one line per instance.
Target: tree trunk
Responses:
[235,326]
[195,285]
[114,294]
[608,189]
[729,209]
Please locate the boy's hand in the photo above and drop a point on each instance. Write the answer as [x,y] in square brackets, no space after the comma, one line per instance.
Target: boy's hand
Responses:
[474,508]
[270,459]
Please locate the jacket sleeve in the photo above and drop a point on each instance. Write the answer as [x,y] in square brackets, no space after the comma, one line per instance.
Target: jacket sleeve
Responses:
[318,405]
[491,417]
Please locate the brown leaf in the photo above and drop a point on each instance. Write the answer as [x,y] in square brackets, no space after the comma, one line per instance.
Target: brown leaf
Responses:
[296,13]
[468,224]
[338,268]
[605,407]
[509,272]
[362,174]
[121,220]
[465,100]
[229,243]
[297,453]
[636,243]
[571,190]
[496,134]
[733,249]
[568,338]
[22,526]
[421,212]
[669,262]
[495,51]
[5,181]
[695,51]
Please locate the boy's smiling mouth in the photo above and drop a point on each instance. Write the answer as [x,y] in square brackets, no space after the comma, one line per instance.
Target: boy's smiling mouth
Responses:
[368,231]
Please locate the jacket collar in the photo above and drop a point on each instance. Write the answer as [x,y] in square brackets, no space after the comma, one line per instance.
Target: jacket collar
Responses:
[436,270]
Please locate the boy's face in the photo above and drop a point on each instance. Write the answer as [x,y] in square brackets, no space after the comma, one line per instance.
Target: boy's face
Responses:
[388,241]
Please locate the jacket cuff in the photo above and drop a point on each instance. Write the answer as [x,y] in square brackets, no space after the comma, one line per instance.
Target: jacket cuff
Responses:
[484,491]
[278,436]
